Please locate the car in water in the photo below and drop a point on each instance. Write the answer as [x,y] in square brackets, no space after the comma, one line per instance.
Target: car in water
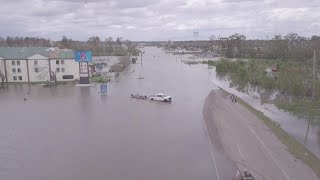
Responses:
[160,97]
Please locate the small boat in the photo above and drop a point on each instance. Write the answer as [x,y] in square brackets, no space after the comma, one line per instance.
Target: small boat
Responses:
[138,96]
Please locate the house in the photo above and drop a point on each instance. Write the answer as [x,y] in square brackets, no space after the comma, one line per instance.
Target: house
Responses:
[38,64]
[274,68]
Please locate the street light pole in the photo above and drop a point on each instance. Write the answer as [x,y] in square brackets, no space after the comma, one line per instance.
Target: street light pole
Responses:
[306,137]
[142,52]
[313,89]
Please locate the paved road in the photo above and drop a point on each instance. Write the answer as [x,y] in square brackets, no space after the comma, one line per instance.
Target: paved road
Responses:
[240,140]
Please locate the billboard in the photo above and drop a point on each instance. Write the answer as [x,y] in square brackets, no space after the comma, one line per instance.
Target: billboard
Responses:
[83,56]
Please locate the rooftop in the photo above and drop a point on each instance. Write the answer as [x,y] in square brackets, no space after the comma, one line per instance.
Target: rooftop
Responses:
[17,53]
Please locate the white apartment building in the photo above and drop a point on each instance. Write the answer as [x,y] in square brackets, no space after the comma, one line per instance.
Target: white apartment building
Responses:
[33,64]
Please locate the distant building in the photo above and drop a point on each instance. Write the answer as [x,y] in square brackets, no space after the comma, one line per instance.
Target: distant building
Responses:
[38,64]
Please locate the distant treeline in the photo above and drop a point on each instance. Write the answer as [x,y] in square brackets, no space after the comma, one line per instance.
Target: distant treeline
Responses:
[99,47]
[290,47]
[25,42]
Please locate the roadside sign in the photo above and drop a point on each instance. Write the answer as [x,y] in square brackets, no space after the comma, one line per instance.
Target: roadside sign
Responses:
[83,56]
[103,88]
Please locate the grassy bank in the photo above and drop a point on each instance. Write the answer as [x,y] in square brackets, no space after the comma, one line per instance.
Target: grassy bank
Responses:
[209,62]
[293,146]
[100,79]
[302,108]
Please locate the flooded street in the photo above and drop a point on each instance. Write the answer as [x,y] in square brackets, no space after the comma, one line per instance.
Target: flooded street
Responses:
[70,132]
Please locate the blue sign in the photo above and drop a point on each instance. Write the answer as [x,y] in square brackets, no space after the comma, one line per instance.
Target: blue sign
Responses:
[83,56]
[103,88]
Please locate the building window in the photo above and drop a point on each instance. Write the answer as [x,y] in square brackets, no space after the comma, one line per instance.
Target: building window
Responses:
[63,70]
[14,78]
[20,78]
[14,69]
[18,63]
[35,62]
[19,70]
[36,70]
[67,77]
[13,62]
[57,62]
[62,61]
[57,70]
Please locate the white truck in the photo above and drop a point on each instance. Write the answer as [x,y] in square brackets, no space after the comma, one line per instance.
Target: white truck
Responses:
[160,97]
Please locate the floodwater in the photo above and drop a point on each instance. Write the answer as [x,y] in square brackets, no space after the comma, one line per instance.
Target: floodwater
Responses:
[68,132]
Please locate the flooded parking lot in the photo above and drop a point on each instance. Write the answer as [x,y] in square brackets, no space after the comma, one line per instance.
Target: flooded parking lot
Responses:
[68,132]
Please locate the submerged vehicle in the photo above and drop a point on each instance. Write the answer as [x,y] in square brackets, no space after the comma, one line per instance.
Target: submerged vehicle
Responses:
[138,96]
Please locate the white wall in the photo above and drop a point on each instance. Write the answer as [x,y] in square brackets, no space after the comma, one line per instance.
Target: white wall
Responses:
[70,66]
[43,67]
[2,65]
[23,73]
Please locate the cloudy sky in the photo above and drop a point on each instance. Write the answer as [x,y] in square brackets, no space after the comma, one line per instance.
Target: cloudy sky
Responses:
[158,19]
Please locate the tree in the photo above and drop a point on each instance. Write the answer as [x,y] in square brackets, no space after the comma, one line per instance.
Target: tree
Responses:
[212,38]
[2,76]
[109,42]
[66,42]
[118,41]
[10,41]
[94,39]
[277,37]
[315,41]
[94,43]
[237,41]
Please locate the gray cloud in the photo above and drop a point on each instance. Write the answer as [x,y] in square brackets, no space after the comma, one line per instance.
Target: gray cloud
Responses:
[158,19]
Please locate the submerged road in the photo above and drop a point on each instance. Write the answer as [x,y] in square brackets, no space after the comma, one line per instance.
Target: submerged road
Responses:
[75,133]
[240,140]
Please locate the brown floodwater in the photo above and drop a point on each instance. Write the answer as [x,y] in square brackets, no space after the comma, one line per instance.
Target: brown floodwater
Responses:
[68,132]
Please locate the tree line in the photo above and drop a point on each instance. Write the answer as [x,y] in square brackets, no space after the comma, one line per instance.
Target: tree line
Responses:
[289,47]
[24,42]
[98,46]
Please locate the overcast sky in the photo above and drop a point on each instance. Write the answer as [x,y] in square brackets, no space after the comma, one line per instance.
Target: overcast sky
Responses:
[158,19]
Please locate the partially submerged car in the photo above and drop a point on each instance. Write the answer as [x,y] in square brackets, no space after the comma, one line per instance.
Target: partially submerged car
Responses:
[160,97]
[138,96]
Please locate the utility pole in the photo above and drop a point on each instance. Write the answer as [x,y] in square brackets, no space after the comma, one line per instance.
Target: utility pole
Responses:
[195,35]
[314,74]
[142,52]
[141,58]
[313,89]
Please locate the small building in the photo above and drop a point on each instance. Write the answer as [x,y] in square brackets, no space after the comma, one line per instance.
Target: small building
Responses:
[38,64]
[274,68]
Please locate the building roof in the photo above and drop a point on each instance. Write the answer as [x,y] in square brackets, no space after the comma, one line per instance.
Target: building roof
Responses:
[22,52]
[16,53]
[66,54]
